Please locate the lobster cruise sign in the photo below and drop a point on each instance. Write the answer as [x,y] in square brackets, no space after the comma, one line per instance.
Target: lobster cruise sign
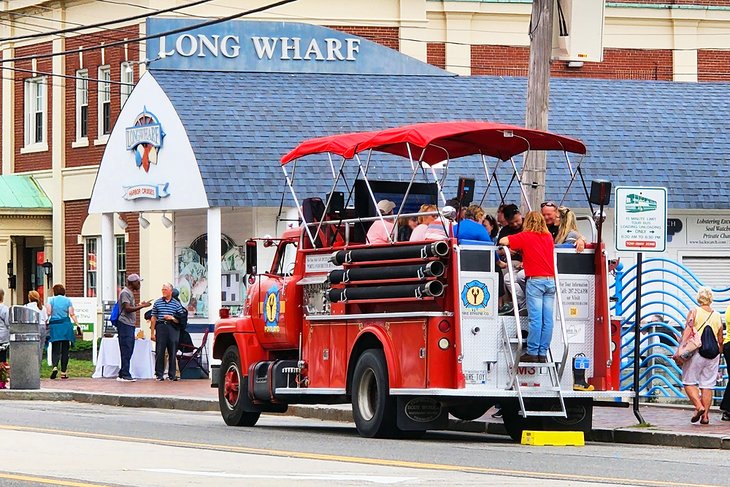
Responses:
[144,139]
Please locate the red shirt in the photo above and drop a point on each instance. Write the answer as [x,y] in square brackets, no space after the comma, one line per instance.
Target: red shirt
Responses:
[537,252]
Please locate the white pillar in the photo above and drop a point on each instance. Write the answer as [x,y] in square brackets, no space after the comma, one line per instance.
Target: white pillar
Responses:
[108,291]
[458,42]
[214,263]
[8,115]
[58,153]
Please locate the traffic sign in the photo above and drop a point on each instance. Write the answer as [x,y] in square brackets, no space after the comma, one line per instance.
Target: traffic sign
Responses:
[641,219]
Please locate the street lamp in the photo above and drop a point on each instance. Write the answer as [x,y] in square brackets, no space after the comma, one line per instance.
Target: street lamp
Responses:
[48,271]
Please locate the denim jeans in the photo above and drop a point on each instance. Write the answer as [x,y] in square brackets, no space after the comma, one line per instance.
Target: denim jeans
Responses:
[540,308]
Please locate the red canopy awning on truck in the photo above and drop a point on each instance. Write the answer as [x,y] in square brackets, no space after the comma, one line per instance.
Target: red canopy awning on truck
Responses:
[434,142]
[343,145]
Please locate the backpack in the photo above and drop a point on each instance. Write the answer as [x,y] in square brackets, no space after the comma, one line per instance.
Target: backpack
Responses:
[182,318]
[114,316]
[709,348]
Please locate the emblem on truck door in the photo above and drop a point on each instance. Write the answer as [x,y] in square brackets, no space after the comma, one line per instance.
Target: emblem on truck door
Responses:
[272,308]
[475,295]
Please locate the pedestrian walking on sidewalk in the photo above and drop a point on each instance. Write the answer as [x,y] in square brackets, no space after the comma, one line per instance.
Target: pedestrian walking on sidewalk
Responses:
[699,374]
[165,332]
[61,322]
[36,304]
[4,339]
[725,404]
[128,324]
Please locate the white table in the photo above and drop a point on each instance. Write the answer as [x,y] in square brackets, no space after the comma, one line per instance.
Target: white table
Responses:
[109,361]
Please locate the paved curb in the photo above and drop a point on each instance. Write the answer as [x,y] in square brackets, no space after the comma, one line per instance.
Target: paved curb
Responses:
[633,436]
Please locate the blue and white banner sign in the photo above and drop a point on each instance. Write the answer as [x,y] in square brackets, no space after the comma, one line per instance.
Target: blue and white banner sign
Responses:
[286,47]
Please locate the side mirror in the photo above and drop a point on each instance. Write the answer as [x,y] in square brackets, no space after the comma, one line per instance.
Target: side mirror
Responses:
[251,258]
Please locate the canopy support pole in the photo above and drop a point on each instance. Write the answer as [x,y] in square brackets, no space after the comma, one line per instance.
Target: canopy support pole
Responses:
[372,195]
[296,202]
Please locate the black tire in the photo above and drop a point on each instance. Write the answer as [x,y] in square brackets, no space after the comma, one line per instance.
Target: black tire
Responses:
[468,412]
[373,409]
[515,424]
[580,417]
[233,398]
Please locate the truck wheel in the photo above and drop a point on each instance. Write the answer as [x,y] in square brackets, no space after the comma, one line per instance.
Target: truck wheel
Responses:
[233,392]
[580,417]
[468,412]
[515,424]
[373,409]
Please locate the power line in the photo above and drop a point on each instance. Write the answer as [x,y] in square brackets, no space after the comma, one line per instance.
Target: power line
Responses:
[153,36]
[64,76]
[100,24]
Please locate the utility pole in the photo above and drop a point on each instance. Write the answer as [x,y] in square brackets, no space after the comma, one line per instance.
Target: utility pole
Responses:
[538,94]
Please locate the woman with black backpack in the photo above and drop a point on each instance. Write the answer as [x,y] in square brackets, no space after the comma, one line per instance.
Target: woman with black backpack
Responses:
[699,371]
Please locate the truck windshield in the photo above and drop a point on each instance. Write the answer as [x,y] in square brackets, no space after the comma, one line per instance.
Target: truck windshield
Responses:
[286,257]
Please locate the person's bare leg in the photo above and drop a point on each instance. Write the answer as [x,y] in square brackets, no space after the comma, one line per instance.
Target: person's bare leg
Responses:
[706,403]
[693,393]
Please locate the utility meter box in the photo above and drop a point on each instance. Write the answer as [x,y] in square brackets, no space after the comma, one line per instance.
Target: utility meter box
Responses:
[578,30]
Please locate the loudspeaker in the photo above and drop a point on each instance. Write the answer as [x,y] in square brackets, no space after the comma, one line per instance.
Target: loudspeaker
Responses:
[600,192]
[337,202]
[465,194]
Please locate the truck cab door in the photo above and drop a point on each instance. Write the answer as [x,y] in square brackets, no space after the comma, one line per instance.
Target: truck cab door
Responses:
[276,301]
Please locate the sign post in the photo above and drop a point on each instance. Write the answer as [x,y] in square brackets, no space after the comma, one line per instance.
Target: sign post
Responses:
[641,225]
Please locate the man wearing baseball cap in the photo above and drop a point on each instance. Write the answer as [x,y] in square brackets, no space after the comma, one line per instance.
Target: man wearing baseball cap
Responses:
[128,323]
[379,233]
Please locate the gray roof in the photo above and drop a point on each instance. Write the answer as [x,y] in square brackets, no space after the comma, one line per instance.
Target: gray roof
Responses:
[637,132]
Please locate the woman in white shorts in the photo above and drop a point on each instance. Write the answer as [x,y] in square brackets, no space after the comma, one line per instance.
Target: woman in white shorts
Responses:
[699,374]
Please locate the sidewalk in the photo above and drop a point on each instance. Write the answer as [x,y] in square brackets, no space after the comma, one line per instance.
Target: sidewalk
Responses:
[670,425]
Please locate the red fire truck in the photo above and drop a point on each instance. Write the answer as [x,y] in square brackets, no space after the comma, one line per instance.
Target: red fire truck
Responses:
[409,332]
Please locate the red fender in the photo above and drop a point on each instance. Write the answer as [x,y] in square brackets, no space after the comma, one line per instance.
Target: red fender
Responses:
[391,359]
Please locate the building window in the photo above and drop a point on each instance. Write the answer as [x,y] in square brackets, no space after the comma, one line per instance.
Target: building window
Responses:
[121,263]
[91,273]
[92,259]
[82,104]
[105,101]
[36,105]
[127,79]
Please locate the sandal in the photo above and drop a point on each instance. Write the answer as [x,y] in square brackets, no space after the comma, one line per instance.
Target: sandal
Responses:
[54,373]
[705,421]
[697,416]
[64,375]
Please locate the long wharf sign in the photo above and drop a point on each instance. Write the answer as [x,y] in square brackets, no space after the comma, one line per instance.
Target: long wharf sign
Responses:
[255,46]
[285,48]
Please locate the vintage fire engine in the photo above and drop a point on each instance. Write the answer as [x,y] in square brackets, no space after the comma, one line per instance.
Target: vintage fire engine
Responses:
[409,332]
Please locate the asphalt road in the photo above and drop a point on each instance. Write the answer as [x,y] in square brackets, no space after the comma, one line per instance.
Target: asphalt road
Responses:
[81,445]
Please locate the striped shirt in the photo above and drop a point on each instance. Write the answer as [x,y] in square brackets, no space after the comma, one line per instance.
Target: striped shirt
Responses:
[162,308]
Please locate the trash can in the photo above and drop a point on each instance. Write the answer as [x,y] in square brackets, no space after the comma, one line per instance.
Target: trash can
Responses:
[25,349]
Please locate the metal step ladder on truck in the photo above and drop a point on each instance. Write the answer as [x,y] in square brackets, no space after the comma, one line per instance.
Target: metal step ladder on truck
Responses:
[409,332]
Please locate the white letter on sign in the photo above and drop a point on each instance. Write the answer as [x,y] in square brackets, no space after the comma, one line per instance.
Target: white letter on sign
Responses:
[314,49]
[211,46]
[230,46]
[181,49]
[334,47]
[353,47]
[264,46]
[163,51]
[293,47]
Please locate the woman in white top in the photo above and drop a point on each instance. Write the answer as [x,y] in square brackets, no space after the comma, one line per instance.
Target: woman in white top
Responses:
[419,233]
[36,304]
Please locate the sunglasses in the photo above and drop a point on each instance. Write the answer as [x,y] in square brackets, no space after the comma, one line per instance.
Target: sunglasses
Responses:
[548,203]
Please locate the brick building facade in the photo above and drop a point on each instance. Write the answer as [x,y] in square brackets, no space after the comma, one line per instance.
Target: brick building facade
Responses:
[66,169]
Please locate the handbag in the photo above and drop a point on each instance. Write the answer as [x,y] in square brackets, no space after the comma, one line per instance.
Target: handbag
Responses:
[690,344]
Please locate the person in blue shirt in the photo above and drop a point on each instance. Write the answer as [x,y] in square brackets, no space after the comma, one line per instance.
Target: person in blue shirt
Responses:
[472,226]
[165,331]
[61,322]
